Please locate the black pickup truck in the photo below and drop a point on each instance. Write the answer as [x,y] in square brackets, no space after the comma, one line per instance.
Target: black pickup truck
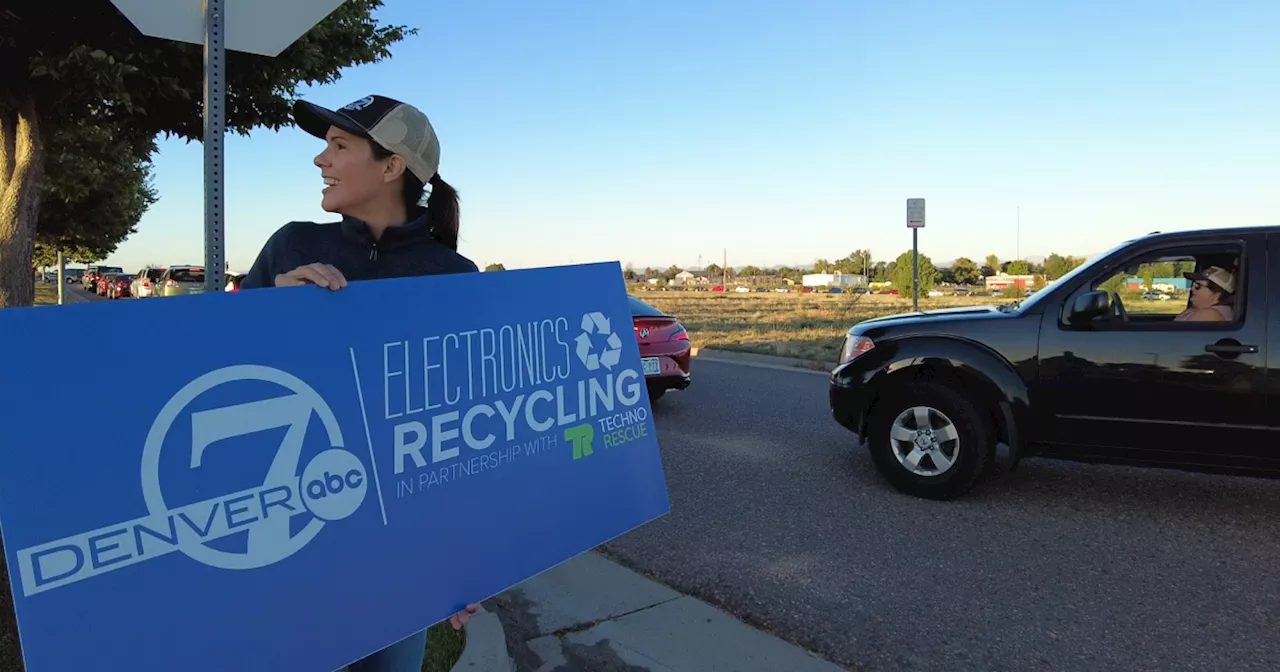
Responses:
[943,398]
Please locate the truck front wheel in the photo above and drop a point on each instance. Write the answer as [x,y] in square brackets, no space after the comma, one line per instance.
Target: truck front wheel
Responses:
[930,441]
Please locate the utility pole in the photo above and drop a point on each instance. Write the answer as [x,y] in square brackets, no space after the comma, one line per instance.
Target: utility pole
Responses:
[1017,250]
[62,277]
[725,270]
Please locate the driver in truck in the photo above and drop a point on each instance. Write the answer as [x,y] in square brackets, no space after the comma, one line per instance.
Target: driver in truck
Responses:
[1212,295]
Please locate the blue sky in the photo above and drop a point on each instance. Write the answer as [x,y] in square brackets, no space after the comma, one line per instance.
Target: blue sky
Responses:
[657,132]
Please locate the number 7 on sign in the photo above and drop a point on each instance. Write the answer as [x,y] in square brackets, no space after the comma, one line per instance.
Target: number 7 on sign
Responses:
[211,426]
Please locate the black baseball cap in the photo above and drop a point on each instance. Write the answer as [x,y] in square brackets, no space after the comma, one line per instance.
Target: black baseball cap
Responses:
[398,127]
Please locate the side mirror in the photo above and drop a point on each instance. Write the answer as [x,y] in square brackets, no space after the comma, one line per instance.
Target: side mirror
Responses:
[1089,306]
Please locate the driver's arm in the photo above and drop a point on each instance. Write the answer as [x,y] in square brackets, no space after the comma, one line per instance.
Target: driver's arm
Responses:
[1204,315]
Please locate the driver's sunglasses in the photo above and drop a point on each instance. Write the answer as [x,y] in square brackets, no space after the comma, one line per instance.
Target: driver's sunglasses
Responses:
[1198,285]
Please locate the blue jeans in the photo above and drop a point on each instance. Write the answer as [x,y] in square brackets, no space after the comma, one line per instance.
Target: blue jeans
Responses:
[405,655]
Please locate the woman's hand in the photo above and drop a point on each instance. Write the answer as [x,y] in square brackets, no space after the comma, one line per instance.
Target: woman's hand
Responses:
[321,275]
[460,619]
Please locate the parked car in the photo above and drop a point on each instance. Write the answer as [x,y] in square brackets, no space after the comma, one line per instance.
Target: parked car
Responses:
[118,286]
[146,282]
[942,398]
[180,280]
[665,351]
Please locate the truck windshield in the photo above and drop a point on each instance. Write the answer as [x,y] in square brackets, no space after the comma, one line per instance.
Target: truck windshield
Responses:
[1071,275]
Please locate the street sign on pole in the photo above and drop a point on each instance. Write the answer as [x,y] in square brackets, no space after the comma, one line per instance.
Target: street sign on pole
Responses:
[263,27]
[915,213]
[915,221]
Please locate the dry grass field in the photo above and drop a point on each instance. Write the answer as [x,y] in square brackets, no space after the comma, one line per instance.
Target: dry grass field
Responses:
[806,326]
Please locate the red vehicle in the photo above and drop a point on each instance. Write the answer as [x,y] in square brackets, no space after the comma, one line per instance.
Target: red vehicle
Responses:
[119,286]
[665,351]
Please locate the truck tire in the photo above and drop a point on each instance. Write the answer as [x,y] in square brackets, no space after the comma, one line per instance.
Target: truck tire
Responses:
[930,440]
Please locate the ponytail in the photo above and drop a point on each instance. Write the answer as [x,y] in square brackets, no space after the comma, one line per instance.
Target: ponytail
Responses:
[443,213]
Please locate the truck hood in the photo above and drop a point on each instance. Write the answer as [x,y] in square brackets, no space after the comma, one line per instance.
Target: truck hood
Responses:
[956,314]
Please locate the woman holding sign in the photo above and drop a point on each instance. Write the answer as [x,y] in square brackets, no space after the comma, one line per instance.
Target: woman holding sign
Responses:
[380,154]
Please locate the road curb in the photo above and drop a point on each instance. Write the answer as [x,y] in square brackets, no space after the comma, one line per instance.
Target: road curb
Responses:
[486,647]
[771,360]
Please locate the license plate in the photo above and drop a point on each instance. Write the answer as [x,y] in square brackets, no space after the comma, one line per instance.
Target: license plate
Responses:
[652,366]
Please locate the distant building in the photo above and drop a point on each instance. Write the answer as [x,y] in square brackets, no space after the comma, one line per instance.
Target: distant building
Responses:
[836,279]
[1169,285]
[1002,280]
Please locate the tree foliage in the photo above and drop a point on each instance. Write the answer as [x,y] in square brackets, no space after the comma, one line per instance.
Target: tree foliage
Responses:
[1056,265]
[98,186]
[965,272]
[1018,267]
[494,267]
[67,65]
[902,273]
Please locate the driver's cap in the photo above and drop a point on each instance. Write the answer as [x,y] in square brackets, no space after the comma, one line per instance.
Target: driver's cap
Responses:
[1217,275]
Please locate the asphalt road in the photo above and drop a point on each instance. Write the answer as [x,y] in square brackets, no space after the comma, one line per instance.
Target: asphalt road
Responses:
[1060,566]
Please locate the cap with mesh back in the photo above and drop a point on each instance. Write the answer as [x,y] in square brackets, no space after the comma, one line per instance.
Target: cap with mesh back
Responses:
[1217,275]
[398,127]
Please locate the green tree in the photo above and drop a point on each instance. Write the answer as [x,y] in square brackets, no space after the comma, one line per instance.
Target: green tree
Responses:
[69,64]
[902,278]
[671,272]
[1018,267]
[494,267]
[991,265]
[1148,274]
[713,271]
[98,186]
[965,272]
[823,266]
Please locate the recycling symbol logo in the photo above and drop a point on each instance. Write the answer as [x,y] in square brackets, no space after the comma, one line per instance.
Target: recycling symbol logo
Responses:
[596,323]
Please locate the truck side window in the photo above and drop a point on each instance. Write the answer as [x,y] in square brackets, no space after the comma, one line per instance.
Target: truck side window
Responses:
[1157,287]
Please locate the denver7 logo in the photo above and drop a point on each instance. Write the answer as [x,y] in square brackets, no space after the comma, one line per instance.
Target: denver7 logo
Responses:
[332,486]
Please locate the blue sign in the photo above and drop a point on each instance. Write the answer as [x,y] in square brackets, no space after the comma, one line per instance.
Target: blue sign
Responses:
[291,479]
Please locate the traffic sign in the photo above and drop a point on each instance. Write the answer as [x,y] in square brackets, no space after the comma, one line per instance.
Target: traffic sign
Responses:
[263,27]
[915,213]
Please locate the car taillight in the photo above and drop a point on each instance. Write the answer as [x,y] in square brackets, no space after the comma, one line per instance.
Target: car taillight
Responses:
[854,346]
[680,334]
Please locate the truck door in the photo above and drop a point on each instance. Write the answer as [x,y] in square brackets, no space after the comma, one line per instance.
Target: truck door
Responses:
[1139,385]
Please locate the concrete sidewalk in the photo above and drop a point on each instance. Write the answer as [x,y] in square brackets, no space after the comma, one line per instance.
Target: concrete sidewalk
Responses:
[593,615]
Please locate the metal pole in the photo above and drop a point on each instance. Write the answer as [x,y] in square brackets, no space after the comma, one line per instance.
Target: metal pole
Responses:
[725,269]
[215,56]
[915,269]
[62,276]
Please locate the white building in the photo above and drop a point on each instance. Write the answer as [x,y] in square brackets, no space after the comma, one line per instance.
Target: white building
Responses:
[836,279]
